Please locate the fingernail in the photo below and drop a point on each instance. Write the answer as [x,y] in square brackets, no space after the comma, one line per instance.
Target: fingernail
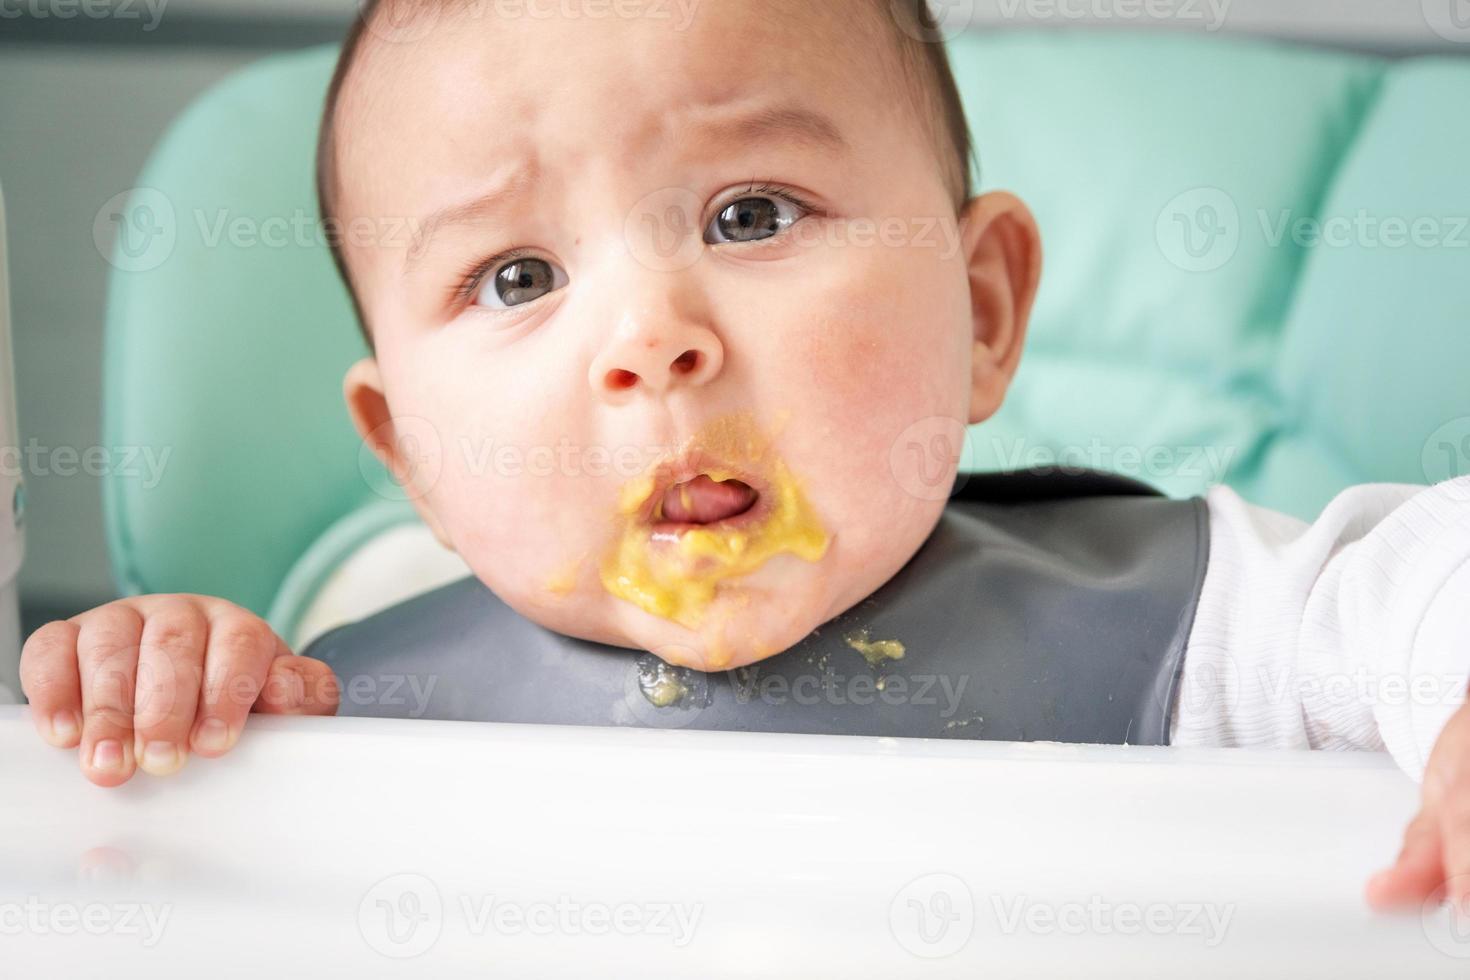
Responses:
[295,689]
[160,758]
[64,726]
[213,736]
[107,755]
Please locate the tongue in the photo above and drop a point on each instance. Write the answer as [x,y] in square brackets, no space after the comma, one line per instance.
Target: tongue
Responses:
[703,501]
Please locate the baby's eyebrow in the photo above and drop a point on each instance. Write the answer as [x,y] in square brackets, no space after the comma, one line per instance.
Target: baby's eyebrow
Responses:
[776,122]
[511,183]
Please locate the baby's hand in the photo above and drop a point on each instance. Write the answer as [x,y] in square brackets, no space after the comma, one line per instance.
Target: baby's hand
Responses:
[1435,859]
[147,680]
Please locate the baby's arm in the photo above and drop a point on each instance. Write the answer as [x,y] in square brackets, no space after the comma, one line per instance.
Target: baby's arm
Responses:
[1349,633]
[143,682]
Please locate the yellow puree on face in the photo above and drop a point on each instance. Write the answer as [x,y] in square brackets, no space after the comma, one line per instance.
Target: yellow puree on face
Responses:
[565,580]
[678,581]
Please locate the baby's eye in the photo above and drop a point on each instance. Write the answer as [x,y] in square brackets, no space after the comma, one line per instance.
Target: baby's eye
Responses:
[751,219]
[520,281]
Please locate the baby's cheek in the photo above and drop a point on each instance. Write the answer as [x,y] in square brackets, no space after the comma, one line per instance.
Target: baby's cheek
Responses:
[871,370]
[903,303]
[477,494]
[878,369]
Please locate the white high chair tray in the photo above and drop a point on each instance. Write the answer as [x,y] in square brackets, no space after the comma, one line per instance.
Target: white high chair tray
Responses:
[333,847]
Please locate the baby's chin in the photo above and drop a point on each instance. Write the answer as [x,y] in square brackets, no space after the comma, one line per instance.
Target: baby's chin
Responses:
[741,626]
[763,614]
[747,620]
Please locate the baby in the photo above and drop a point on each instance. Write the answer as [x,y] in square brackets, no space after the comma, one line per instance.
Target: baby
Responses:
[637,227]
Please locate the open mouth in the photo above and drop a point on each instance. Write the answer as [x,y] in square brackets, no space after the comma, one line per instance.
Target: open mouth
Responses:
[690,529]
[701,501]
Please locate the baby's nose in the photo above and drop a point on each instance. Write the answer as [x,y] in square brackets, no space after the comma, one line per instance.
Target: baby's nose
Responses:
[656,364]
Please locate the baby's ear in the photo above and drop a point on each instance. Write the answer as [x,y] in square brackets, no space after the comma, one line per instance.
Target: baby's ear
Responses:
[1002,249]
[410,455]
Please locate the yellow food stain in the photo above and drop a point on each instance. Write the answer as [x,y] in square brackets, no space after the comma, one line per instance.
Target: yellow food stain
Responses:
[875,652]
[662,687]
[678,580]
[634,494]
[564,581]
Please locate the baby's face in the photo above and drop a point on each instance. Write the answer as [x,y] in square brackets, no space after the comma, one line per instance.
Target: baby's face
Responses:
[681,356]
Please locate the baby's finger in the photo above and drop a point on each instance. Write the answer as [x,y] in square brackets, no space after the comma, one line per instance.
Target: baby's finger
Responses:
[170,662]
[107,655]
[299,686]
[1455,831]
[1417,872]
[49,678]
[239,654]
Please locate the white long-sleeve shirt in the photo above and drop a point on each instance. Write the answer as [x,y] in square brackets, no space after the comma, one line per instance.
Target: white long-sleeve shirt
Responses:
[1352,632]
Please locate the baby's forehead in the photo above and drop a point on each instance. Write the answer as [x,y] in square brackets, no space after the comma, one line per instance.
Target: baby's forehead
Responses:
[468,85]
